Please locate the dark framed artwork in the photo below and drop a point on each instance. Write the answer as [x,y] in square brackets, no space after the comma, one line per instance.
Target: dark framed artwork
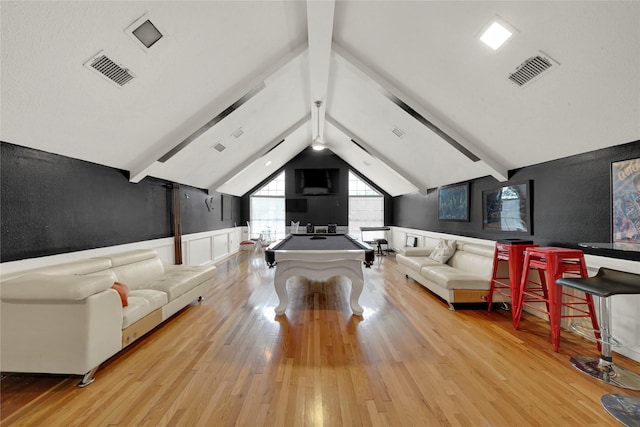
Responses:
[625,197]
[453,202]
[227,207]
[508,208]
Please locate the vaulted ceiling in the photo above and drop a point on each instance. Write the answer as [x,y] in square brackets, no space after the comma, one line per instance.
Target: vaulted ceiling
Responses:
[408,95]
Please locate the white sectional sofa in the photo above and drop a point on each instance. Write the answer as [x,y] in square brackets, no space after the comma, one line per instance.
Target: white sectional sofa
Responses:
[67,318]
[464,278]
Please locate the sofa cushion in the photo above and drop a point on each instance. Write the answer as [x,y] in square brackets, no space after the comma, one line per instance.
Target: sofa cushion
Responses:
[454,278]
[79,267]
[414,251]
[478,265]
[180,279]
[45,287]
[415,262]
[139,274]
[482,250]
[129,257]
[444,250]
[141,303]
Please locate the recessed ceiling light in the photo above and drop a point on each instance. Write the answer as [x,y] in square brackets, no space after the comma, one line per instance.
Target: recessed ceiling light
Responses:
[147,33]
[144,32]
[268,163]
[497,33]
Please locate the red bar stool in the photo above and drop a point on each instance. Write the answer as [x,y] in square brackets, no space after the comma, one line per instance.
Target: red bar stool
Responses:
[552,263]
[512,252]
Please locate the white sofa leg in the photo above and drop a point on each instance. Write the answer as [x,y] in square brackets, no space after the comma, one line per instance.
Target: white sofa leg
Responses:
[451,307]
[88,378]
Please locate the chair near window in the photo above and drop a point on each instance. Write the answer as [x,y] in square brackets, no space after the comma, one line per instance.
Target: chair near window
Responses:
[295,227]
[250,242]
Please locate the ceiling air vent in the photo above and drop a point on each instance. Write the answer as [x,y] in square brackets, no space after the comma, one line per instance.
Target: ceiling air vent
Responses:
[398,132]
[108,69]
[219,147]
[532,68]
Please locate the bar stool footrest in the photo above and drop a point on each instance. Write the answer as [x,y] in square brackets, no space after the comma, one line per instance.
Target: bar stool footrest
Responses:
[590,333]
[607,372]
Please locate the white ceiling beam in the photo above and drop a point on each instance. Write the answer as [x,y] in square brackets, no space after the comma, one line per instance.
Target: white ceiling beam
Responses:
[320,29]
[499,171]
[142,167]
[249,160]
[375,153]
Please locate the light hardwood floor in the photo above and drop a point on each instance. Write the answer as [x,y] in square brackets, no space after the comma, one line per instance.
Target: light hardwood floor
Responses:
[407,361]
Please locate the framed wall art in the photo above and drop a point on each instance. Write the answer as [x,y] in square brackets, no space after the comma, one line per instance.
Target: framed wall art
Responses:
[508,208]
[625,197]
[453,202]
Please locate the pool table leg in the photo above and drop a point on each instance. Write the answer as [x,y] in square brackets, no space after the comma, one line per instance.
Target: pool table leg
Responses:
[280,283]
[357,284]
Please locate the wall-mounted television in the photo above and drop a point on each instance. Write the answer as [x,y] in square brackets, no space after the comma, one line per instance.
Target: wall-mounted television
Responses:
[317,181]
[508,208]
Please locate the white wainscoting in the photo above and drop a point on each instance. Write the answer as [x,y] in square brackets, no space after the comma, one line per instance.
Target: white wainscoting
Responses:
[197,249]
[624,308]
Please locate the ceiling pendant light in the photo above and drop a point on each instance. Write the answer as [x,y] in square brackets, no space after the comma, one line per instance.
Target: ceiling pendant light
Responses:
[318,142]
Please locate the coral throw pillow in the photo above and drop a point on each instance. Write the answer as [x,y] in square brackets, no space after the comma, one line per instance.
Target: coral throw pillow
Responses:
[123,291]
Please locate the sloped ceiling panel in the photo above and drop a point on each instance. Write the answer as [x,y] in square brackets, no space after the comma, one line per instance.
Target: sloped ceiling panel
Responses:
[358,157]
[213,52]
[267,164]
[373,117]
[209,49]
[431,50]
[266,115]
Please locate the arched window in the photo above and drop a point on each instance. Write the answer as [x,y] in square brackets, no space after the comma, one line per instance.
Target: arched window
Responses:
[268,210]
[366,208]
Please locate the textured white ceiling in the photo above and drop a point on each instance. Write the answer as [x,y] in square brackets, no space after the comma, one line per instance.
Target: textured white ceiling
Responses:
[425,53]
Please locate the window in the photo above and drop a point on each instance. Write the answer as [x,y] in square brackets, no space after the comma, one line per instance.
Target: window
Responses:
[366,209]
[268,210]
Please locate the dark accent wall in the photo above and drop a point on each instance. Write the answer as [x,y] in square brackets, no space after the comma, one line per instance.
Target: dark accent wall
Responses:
[321,209]
[51,204]
[571,201]
[203,212]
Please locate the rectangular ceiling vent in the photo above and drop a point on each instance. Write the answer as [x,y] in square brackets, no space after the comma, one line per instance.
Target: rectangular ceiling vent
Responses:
[531,69]
[398,132]
[108,69]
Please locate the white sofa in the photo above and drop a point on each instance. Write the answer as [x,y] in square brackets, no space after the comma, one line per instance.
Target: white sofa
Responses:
[464,278]
[67,319]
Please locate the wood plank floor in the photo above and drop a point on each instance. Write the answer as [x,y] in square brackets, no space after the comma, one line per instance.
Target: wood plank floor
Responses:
[407,361]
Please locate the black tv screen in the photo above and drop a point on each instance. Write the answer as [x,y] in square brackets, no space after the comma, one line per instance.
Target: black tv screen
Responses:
[317,181]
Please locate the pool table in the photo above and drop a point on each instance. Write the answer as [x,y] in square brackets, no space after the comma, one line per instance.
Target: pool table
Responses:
[318,257]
